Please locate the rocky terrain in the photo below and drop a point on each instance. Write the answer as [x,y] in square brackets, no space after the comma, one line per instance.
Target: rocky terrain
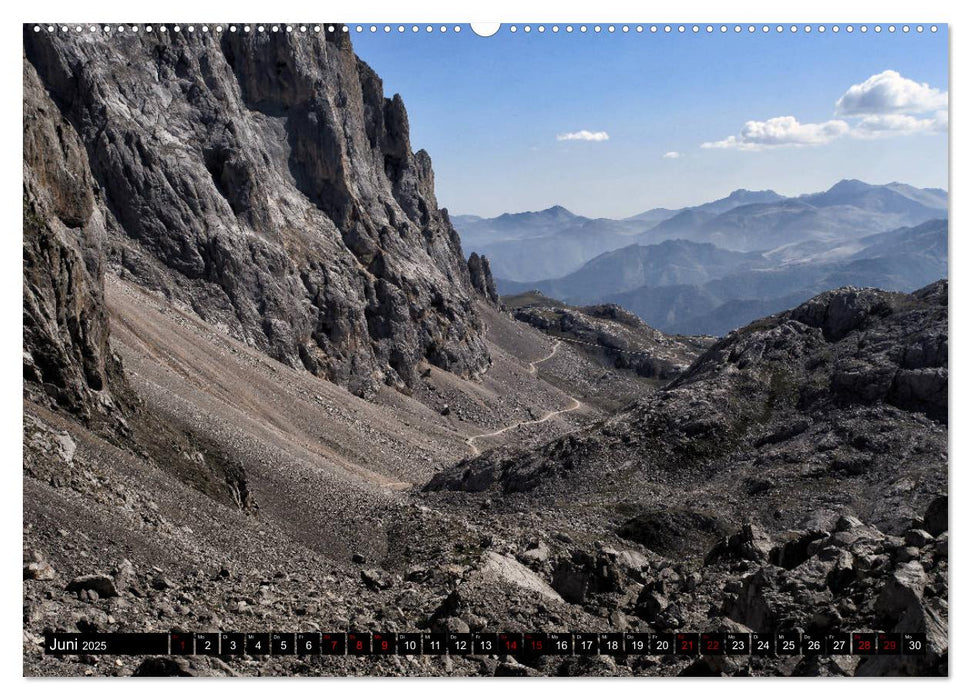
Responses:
[265,390]
[610,334]
[794,476]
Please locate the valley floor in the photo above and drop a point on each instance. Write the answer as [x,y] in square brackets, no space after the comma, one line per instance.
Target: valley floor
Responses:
[327,475]
[274,500]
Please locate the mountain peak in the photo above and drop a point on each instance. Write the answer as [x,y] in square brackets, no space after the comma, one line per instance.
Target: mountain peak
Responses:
[849,186]
[554,212]
[742,192]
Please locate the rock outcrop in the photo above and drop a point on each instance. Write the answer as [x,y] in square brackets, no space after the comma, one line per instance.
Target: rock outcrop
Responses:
[481,276]
[263,181]
[612,335]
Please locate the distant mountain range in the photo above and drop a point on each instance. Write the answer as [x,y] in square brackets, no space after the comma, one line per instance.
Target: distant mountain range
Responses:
[697,288]
[536,244]
[847,210]
[552,243]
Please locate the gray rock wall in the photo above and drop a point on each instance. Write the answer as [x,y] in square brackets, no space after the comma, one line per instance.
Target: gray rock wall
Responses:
[266,183]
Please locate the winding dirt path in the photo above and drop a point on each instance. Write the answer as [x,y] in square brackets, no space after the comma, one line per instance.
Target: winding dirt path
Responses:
[532,365]
[470,441]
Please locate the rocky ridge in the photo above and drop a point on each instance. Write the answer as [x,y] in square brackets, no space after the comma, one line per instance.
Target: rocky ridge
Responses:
[613,335]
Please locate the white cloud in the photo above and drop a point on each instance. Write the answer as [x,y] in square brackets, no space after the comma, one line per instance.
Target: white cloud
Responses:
[885,104]
[673,155]
[583,135]
[875,125]
[781,131]
[890,93]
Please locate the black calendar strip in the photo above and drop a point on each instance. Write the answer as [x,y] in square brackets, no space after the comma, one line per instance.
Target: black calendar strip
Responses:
[485,643]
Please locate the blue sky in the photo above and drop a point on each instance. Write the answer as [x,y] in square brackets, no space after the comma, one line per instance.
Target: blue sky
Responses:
[490,111]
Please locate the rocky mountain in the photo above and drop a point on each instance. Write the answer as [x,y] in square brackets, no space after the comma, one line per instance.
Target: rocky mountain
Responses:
[265,390]
[264,181]
[792,477]
[849,350]
[480,275]
[205,219]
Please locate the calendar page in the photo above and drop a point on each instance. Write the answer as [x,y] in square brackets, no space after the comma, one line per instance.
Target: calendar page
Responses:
[519,349]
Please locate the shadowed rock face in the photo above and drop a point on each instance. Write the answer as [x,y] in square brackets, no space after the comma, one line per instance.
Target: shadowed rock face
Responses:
[266,183]
[67,361]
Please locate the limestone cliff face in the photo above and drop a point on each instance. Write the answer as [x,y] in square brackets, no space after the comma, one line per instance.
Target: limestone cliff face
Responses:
[66,361]
[264,181]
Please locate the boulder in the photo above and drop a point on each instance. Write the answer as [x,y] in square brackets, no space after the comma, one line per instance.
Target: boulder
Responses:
[374,579]
[124,574]
[651,605]
[571,581]
[161,583]
[751,543]
[102,584]
[498,567]
[903,591]
[37,568]
[535,555]
[918,538]
[163,666]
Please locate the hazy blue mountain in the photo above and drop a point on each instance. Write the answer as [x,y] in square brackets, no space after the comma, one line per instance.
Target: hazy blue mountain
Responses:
[894,197]
[669,263]
[686,225]
[848,210]
[550,256]
[542,245]
[929,240]
[739,198]
[735,199]
[548,243]
[476,230]
[899,260]
[533,245]
[652,217]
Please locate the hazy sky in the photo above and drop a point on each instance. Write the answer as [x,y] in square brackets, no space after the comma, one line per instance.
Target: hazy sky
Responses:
[613,124]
